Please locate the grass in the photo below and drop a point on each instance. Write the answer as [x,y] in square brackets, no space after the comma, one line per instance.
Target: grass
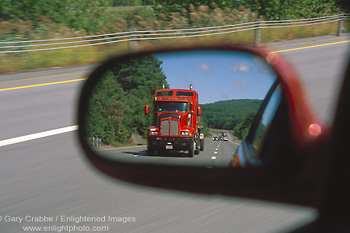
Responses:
[278,34]
[94,54]
[59,58]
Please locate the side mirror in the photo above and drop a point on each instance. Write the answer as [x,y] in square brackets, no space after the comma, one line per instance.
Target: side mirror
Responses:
[235,87]
[199,111]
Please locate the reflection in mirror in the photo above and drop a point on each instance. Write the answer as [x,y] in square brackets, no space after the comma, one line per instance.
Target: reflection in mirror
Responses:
[249,153]
[266,118]
[193,107]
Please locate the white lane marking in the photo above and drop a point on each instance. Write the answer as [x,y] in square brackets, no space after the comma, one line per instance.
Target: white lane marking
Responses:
[29,137]
[213,157]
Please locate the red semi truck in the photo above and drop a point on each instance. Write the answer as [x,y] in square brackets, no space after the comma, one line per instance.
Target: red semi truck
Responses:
[175,122]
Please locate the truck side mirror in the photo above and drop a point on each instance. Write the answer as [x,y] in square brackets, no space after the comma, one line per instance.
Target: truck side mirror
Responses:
[146,109]
[199,111]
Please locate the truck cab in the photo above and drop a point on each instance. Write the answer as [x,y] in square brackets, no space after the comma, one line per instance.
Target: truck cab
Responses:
[176,116]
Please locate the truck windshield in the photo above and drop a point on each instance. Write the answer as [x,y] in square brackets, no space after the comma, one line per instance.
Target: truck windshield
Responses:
[168,106]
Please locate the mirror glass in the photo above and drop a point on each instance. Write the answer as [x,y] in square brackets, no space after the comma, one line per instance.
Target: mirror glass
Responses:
[188,108]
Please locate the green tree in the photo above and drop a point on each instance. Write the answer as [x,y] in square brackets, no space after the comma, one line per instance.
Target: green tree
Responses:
[116,106]
[78,14]
[178,5]
[127,2]
[229,113]
[139,78]
[267,9]
[242,129]
[140,72]
[291,9]
[106,101]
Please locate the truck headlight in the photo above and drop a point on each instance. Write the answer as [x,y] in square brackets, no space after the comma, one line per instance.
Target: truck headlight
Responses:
[185,133]
[152,133]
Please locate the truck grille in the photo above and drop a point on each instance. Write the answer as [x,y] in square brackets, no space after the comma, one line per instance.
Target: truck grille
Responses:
[169,127]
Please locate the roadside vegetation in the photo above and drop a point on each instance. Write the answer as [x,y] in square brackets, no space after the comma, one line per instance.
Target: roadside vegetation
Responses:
[22,20]
[116,106]
[236,115]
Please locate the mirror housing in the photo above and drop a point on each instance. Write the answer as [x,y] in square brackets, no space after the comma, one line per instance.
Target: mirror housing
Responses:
[271,182]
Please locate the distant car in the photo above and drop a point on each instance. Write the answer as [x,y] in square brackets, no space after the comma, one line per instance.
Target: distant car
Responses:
[215,138]
[225,139]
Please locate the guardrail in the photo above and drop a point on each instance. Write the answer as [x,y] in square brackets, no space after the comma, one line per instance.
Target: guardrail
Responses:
[93,40]
[95,142]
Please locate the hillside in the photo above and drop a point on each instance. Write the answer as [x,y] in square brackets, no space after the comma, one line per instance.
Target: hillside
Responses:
[235,114]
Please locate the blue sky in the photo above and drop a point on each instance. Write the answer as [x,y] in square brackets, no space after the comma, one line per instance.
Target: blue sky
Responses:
[218,75]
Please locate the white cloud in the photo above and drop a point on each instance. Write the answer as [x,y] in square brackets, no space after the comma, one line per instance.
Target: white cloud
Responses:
[204,68]
[240,68]
[240,85]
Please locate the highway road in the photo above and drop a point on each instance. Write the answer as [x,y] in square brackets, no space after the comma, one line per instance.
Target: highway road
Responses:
[215,154]
[47,177]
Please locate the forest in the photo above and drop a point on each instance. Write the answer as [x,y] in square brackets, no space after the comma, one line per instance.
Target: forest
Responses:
[116,106]
[236,115]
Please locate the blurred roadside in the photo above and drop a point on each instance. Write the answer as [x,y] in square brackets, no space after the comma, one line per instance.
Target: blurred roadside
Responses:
[91,37]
